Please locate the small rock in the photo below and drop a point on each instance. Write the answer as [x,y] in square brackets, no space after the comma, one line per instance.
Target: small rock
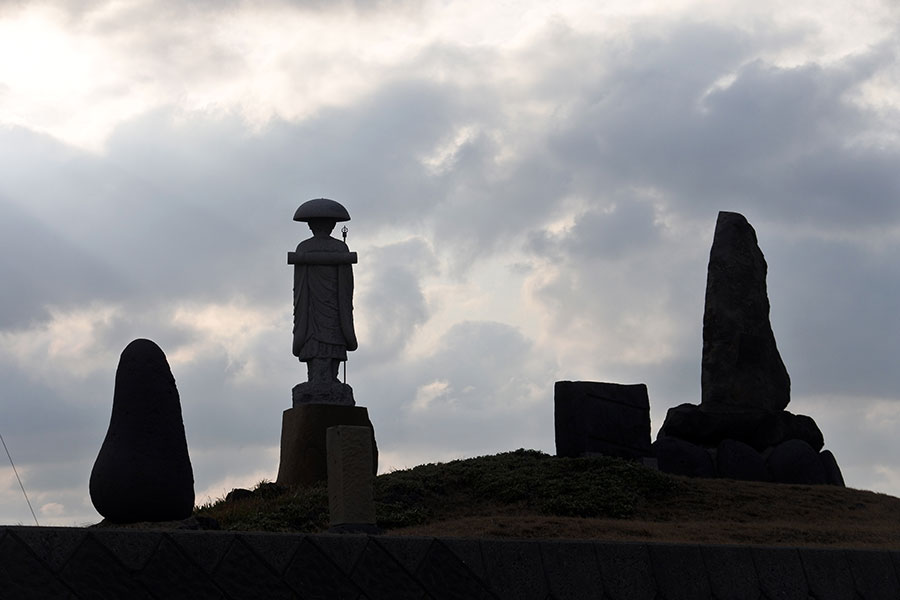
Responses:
[707,428]
[782,426]
[737,460]
[679,457]
[833,474]
[238,494]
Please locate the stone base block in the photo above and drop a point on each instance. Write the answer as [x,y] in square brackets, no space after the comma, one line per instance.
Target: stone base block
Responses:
[323,393]
[304,444]
[793,461]
[601,418]
[758,428]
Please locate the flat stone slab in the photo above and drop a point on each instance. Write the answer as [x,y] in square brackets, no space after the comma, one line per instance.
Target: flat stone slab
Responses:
[77,563]
[601,418]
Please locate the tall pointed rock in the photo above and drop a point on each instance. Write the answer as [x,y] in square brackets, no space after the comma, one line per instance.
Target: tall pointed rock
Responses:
[143,471]
[741,366]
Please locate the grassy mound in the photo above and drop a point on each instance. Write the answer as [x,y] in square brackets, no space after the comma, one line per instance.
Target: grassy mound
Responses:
[528,494]
[521,481]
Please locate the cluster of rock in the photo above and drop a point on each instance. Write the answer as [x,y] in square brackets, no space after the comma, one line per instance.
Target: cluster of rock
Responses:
[754,447]
[741,429]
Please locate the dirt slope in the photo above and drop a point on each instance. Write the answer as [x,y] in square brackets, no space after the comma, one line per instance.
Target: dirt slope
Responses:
[709,511]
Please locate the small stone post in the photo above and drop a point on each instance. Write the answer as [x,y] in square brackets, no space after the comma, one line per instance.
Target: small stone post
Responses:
[350,479]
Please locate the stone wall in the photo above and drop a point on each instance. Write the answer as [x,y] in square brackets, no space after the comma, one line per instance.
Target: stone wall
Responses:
[47,562]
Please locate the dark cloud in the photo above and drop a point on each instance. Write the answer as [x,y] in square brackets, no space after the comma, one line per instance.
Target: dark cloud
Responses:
[834,316]
[391,298]
[223,412]
[150,220]
[40,268]
[475,393]
[44,424]
[626,227]
[783,145]
[860,432]
[784,140]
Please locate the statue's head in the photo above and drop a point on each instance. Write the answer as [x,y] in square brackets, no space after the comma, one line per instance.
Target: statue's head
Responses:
[321,226]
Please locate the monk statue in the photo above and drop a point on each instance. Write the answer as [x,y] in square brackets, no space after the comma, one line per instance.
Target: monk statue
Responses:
[323,304]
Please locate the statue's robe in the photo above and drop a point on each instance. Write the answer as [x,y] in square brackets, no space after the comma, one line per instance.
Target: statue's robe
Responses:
[323,304]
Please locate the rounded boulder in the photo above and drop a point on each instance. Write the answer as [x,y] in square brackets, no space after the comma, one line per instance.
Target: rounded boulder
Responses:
[737,460]
[143,471]
[795,461]
[679,457]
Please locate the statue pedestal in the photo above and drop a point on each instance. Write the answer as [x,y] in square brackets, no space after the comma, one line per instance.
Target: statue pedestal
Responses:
[304,459]
[322,393]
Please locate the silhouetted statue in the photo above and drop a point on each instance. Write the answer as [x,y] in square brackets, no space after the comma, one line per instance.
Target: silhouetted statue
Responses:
[323,304]
[323,334]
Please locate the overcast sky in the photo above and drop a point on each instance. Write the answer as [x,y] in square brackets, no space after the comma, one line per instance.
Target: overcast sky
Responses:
[533,189]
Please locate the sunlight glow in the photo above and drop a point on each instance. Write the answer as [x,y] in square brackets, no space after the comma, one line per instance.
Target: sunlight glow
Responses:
[70,342]
[428,393]
[234,327]
[77,76]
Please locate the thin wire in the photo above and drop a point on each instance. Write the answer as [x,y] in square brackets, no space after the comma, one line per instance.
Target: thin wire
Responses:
[20,481]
